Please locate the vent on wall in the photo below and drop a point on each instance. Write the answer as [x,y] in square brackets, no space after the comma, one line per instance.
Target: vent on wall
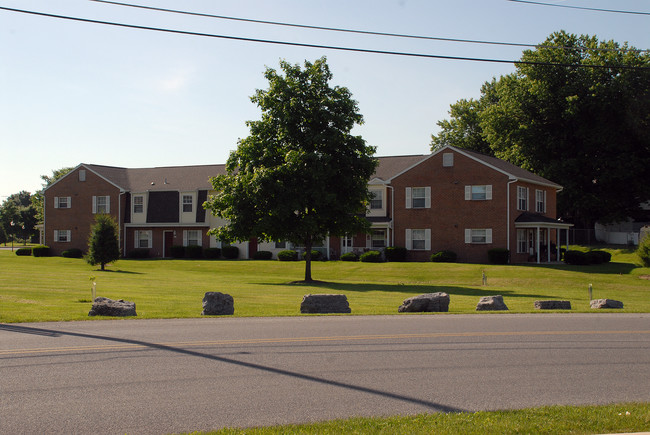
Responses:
[448,160]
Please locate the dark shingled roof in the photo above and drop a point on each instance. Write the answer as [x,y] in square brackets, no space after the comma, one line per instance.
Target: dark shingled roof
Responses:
[390,166]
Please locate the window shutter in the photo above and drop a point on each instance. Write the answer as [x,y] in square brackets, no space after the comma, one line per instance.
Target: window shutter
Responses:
[427,197]
[184,237]
[488,191]
[488,235]
[56,202]
[56,235]
[94,204]
[427,239]
[409,201]
[527,199]
[68,235]
[468,235]
[409,240]
[544,201]
[108,204]
[136,239]
[468,193]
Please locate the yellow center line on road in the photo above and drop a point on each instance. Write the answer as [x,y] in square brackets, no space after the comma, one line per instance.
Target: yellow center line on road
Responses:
[136,344]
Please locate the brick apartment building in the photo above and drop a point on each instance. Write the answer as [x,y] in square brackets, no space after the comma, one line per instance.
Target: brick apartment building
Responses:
[452,199]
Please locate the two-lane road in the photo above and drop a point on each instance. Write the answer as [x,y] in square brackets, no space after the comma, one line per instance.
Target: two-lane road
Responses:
[162,376]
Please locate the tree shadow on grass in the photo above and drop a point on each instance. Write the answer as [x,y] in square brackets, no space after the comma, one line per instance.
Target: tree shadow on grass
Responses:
[413,289]
[607,268]
[128,272]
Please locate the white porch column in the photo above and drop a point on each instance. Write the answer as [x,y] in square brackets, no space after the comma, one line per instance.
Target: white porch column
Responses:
[537,246]
[548,245]
[558,243]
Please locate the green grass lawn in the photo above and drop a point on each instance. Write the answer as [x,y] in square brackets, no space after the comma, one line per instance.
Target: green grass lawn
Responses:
[56,288]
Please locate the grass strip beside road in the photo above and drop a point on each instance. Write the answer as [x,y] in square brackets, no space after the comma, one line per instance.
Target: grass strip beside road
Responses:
[59,289]
[617,418]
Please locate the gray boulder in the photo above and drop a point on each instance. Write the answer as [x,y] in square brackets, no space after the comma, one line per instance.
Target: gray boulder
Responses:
[553,305]
[427,303]
[218,304]
[605,303]
[324,303]
[491,303]
[108,307]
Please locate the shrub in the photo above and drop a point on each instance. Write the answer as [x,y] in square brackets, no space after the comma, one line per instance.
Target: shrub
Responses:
[598,257]
[315,255]
[499,256]
[139,253]
[263,255]
[212,253]
[444,257]
[288,255]
[395,253]
[72,253]
[371,257]
[349,256]
[24,252]
[194,252]
[41,251]
[230,252]
[643,251]
[178,251]
[575,257]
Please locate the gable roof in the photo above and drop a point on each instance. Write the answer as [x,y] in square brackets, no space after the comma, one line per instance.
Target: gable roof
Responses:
[390,166]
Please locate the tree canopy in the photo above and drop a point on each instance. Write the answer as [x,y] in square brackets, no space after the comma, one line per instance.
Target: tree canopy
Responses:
[300,175]
[576,111]
[17,208]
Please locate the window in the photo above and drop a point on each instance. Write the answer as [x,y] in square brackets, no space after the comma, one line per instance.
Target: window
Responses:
[62,235]
[522,246]
[478,192]
[540,201]
[418,240]
[187,203]
[448,160]
[418,197]
[192,238]
[62,202]
[143,239]
[101,204]
[478,236]
[377,201]
[379,239]
[138,204]
[522,198]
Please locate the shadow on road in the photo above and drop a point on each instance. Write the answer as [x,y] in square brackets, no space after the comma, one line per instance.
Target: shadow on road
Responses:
[46,332]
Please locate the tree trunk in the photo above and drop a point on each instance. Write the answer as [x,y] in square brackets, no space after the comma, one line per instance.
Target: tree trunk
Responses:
[102,266]
[308,261]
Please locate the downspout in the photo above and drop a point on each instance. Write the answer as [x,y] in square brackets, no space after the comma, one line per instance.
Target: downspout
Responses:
[392,214]
[514,180]
[119,227]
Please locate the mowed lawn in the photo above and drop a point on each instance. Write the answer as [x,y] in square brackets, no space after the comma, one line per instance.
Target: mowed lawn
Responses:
[55,288]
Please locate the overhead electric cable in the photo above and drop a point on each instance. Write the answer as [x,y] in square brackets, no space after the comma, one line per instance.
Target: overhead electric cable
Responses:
[616,11]
[361,32]
[325,47]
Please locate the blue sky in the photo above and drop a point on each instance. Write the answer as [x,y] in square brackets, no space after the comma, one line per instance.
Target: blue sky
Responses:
[74,92]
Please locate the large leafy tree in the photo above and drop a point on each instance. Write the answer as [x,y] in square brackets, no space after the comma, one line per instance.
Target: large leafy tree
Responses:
[18,209]
[300,175]
[579,115]
[103,243]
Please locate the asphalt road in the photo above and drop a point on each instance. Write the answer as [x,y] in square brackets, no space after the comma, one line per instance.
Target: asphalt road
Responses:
[166,376]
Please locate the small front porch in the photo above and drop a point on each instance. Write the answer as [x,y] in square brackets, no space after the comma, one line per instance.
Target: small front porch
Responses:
[534,237]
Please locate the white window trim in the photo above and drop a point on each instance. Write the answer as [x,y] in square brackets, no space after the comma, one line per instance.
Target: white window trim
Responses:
[66,233]
[191,203]
[521,198]
[427,239]
[488,192]
[378,195]
[133,204]
[186,238]
[108,203]
[522,240]
[57,201]
[427,197]
[542,202]
[488,236]
[136,242]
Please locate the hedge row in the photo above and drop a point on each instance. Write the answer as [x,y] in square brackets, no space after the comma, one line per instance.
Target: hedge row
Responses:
[580,258]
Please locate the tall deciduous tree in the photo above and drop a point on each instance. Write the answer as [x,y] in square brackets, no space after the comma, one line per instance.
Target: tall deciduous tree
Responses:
[300,175]
[584,123]
[103,243]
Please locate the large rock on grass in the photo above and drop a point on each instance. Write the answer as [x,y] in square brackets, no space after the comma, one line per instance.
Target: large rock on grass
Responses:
[428,303]
[605,303]
[491,303]
[108,307]
[324,304]
[218,304]
[553,305]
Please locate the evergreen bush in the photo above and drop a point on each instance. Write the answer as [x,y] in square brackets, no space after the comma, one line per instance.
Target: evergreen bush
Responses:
[288,255]
[349,256]
[178,251]
[444,257]
[598,257]
[230,252]
[643,251]
[395,253]
[315,255]
[212,253]
[24,252]
[139,253]
[72,253]
[371,257]
[263,255]
[194,252]
[41,251]
[577,258]
[499,256]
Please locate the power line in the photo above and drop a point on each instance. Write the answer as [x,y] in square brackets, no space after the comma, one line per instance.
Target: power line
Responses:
[325,47]
[361,32]
[581,7]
